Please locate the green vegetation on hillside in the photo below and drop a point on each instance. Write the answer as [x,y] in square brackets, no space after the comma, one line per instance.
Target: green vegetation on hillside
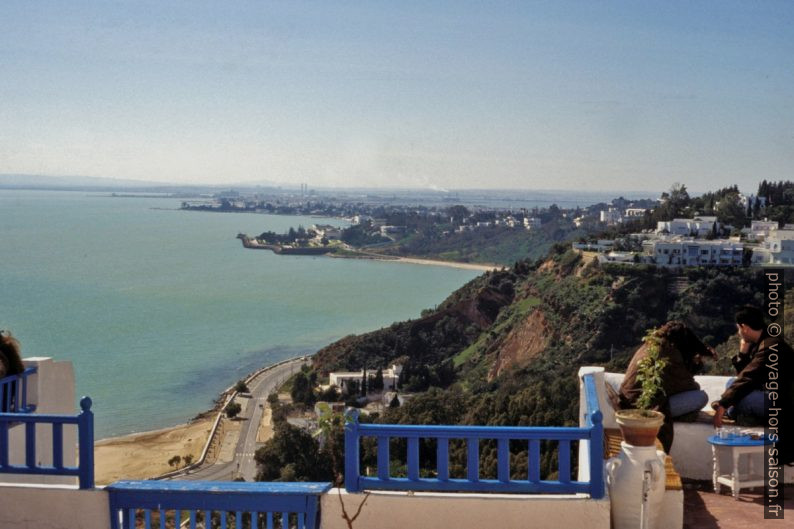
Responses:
[505,348]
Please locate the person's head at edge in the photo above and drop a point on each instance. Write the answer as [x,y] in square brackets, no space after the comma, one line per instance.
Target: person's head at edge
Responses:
[10,354]
[749,323]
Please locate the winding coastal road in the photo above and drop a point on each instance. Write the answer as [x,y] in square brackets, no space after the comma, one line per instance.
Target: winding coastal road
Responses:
[243,464]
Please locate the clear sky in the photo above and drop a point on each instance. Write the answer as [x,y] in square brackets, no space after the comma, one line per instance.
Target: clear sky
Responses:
[555,95]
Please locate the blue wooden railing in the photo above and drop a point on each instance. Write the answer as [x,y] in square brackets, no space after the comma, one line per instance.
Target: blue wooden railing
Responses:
[85,438]
[227,503]
[14,393]
[592,433]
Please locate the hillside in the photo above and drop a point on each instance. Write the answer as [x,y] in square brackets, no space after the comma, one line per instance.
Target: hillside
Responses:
[505,349]
[494,244]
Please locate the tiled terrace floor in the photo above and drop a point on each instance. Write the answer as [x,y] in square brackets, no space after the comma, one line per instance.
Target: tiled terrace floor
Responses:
[703,509]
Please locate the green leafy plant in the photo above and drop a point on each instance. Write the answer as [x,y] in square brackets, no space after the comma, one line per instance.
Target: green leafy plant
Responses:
[330,426]
[650,370]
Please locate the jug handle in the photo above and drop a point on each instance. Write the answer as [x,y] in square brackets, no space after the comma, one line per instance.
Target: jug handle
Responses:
[612,465]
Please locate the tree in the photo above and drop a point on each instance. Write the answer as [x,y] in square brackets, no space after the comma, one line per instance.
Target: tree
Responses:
[187,458]
[395,402]
[364,383]
[458,212]
[329,395]
[377,382]
[730,211]
[351,388]
[233,409]
[302,391]
[241,387]
[174,461]
[291,447]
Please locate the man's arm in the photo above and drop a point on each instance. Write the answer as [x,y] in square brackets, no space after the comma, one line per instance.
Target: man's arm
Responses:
[743,357]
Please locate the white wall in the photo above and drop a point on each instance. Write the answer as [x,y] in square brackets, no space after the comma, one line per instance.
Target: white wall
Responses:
[51,389]
[401,510]
[691,452]
[672,509]
[53,507]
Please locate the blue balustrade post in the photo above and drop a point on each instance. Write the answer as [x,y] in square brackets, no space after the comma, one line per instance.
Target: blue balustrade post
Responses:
[595,422]
[23,396]
[85,432]
[597,456]
[352,465]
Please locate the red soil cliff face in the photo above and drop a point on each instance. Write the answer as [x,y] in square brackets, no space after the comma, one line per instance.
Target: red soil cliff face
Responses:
[524,342]
[479,310]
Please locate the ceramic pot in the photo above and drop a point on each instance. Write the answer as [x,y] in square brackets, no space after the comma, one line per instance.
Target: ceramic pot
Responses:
[639,427]
[636,479]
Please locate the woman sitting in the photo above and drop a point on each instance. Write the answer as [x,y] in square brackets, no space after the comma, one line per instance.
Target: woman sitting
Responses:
[683,354]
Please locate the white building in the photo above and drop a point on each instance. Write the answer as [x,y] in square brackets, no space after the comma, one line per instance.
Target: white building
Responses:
[634,212]
[760,230]
[327,231]
[697,227]
[611,217]
[532,223]
[679,251]
[392,230]
[745,199]
[342,379]
[602,245]
[778,249]
[361,219]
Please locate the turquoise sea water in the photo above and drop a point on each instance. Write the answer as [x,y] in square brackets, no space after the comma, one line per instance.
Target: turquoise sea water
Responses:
[161,309]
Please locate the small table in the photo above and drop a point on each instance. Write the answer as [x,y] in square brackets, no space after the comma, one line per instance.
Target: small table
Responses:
[738,445]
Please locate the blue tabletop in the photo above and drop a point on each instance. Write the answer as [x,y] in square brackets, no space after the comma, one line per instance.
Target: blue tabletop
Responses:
[736,440]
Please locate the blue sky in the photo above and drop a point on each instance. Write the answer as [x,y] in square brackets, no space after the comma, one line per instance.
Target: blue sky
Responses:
[551,95]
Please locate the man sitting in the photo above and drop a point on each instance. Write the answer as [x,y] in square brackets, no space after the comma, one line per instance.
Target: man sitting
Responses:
[745,394]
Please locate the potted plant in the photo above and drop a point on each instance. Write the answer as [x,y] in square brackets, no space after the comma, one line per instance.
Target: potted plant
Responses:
[640,425]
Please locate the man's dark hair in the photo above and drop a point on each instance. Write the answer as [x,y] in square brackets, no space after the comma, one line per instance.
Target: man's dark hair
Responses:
[750,316]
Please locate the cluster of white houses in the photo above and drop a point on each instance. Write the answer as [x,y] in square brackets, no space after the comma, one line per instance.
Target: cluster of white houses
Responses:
[690,242]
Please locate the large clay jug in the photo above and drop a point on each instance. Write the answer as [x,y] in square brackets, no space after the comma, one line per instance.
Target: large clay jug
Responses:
[625,475]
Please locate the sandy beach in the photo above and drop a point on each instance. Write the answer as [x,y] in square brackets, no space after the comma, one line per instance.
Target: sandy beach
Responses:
[450,264]
[146,454]
[416,260]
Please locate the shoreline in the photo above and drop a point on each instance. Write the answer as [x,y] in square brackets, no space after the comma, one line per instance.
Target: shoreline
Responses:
[450,264]
[145,455]
[421,261]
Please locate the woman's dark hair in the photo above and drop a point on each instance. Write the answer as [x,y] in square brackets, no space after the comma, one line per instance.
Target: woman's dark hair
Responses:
[678,335]
[9,354]
[750,316]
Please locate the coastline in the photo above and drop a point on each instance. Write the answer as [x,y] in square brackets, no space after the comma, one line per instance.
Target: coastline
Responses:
[145,455]
[420,261]
[450,264]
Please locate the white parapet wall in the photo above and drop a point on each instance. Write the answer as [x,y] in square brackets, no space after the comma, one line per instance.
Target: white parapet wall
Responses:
[51,390]
[672,508]
[691,452]
[403,510]
[53,507]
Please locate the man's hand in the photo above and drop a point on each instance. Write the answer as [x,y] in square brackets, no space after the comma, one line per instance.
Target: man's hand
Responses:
[718,413]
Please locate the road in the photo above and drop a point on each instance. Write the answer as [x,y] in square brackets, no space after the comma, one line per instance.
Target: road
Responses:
[243,464]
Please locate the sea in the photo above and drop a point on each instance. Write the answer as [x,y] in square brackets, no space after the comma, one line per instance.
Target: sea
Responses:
[161,309]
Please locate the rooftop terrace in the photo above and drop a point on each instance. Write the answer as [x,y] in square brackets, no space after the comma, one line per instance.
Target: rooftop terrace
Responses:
[42,490]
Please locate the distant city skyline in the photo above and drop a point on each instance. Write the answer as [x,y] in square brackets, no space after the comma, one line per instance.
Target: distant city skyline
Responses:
[450,95]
